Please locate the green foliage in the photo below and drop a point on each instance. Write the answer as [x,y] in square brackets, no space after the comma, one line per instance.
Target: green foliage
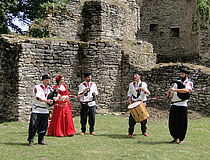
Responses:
[39,8]
[25,10]
[54,4]
[8,10]
[110,143]
[204,11]
[39,29]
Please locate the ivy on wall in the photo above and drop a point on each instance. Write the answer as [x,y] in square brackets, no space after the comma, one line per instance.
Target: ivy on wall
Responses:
[204,11]
[40,29]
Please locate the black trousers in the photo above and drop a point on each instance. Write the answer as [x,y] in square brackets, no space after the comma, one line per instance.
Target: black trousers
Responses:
[132,124]
[38,123]
[178,122]
[87,113]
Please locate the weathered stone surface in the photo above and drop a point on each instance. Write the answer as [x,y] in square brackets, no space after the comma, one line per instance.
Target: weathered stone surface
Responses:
[172,27]
[23,65]
[111,39]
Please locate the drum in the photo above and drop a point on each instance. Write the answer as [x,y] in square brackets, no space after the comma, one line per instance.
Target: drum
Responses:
[138,111]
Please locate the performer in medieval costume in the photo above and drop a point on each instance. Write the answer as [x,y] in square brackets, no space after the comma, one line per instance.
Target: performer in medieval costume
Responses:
[62,122]
[87,93]
[178,112]
[137,92]
[40,113]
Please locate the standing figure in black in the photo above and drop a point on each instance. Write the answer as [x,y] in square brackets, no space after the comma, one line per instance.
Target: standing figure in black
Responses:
[178,112]
[137,92]
[87,94]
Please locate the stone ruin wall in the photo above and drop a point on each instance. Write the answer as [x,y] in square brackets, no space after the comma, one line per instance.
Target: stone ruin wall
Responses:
[111,53]
[93,20]
[152,21]
[8,80]
[205,47]
[112,64]
[159,80]
[35,57]
[172,27]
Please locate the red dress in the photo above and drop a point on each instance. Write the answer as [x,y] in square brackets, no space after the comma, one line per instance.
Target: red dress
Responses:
[62,123]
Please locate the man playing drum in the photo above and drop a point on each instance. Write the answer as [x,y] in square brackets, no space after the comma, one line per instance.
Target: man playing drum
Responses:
[137,92]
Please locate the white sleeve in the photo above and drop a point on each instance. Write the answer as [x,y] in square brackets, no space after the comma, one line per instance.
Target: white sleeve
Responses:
[95,90]
[38,93]
[189,85]
[130,90]
[81,89]
[144,86]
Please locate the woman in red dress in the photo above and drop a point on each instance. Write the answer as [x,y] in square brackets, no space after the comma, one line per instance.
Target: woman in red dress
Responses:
[62,122]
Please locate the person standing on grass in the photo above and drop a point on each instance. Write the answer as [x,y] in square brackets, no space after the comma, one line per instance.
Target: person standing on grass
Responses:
[178,112]
[137,92]
[40,113]
[62,123]
[87,94]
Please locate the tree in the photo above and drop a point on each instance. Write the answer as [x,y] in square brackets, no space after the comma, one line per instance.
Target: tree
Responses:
[25,10]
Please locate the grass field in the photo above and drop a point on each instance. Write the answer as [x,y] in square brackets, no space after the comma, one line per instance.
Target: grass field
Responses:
[111,142]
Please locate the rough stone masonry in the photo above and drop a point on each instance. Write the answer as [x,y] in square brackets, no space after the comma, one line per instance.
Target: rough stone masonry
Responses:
[97,36]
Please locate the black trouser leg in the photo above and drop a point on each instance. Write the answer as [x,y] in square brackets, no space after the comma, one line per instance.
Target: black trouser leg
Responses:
[38,122]
[144,126]
[131,124]
[183,120]
[178,122]
[173,122]
[42,127]
[32,127]
[91,120]
[83,117]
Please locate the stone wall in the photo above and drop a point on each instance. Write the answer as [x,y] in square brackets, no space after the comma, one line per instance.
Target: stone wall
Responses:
[99,36]
[9,76]
[30,58]
[159,81]
[24,60]
[172,27]
[93,20]
[205,47]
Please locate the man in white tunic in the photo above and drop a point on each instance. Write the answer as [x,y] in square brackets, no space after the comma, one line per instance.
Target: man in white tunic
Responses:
[137,92]
[40,113]
[87,94]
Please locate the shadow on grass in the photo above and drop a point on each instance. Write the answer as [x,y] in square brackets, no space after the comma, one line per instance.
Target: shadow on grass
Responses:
[15,143]
[114,136]
[152,142]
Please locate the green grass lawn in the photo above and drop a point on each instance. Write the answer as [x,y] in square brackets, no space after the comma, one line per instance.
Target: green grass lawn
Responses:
[111,142]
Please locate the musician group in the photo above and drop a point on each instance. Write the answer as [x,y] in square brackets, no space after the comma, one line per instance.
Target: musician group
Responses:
[62,124]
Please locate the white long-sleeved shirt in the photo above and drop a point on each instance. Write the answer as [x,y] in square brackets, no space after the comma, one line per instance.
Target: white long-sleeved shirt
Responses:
[93,89]
[40,92]
[132,91]
[175,99]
